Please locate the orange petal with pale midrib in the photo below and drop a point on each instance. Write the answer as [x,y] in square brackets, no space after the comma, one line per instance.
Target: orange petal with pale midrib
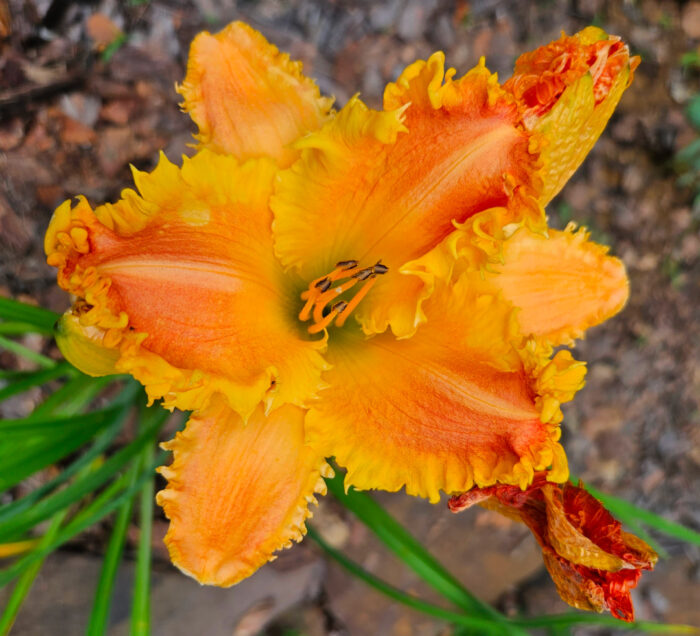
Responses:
[186,276]
[365,189]
[238,493]
[562,284]
[247,98]
[450,407]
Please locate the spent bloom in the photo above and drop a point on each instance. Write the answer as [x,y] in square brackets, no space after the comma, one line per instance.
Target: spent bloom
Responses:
[379,286]
[592,561]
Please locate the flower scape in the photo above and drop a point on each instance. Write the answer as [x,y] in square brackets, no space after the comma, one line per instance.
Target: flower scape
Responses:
[377,286]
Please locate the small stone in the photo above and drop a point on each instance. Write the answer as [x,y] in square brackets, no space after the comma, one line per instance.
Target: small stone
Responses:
[81,107]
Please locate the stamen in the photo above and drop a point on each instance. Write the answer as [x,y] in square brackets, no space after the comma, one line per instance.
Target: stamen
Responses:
[322,291]
[324,284]
[346,265]
[320,326]
[347,310]
[331,294]
[363,274]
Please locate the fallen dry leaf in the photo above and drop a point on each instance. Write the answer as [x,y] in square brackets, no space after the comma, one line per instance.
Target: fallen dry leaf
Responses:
[102,30]
[73,132]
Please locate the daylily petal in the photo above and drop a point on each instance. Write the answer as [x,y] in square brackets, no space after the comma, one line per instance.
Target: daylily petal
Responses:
[568,90]
[453,406]
[184,283]
[247,98]
[366,189]
[237,493]
[561,283]
[593,563]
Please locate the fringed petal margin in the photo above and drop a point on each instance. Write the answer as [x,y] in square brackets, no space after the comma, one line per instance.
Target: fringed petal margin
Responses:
[238,493]
[183,283]
[593,563]
[568,90]
[366,189]
[248,99]
[455,405]
[560,282]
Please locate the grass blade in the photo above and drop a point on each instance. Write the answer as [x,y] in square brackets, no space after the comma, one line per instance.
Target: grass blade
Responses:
[141,602]
[33,445]
[587,618]
[408,549]
[20,328]
[633,515]
[27,519]
[13,310]
[106,503]
[99,616]
[21,589]
[25,352]
[72,397]
[26,381]
[102,442]
[483,625]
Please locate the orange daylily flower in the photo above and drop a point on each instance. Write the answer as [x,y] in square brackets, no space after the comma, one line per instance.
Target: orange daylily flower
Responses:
[592,561]
[378,286]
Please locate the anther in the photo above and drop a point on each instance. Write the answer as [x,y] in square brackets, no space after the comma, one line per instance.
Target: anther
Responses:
[346,265]
[363,274]
[380,268]
[339,306]
[324,284]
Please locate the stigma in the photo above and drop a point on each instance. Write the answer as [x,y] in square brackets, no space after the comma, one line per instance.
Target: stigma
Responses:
[324,304]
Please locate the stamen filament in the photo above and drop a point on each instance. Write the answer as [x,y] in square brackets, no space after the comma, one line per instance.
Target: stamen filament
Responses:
[356,301]
[322,291]
[322,324]
[332,293]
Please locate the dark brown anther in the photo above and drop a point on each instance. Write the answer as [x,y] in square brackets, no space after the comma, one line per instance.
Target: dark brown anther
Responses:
[380,268]
[363,274]
[324,284]
[345,265]
[339,306]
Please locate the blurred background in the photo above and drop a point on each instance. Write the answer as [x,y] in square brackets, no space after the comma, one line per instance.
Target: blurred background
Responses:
[87,88]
